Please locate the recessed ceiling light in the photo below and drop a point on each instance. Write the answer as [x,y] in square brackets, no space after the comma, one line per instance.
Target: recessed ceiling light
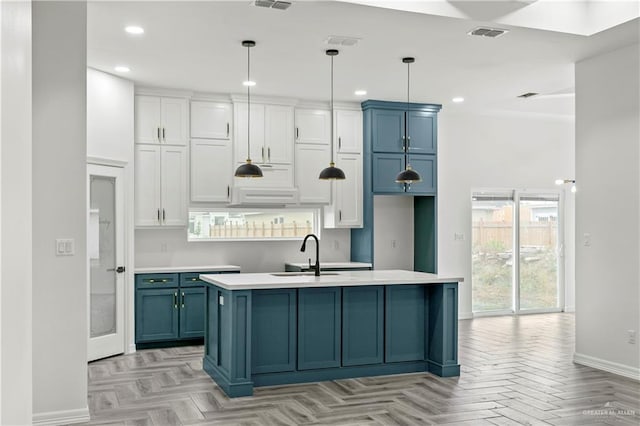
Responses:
[458,99]
[122,68]
[249,83]
[360,92]
[133,29]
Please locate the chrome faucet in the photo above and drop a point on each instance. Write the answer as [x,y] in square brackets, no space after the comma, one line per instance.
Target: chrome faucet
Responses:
[316,267]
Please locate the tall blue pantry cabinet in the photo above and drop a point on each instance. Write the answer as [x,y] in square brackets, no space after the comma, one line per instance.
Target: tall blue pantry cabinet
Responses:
[391,130]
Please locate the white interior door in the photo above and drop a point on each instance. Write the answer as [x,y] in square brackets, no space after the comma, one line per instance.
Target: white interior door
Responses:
[105,252]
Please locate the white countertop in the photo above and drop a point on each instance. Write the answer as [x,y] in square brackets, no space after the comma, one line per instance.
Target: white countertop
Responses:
[178,269]
[332,265]
[332,279]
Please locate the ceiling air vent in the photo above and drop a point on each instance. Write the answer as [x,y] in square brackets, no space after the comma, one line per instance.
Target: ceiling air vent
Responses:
[342,40]
[528,95]
[273,4]
[487,32]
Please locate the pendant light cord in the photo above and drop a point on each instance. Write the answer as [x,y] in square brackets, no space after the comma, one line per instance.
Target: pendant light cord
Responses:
[406,119]
[332,136]
[248,104]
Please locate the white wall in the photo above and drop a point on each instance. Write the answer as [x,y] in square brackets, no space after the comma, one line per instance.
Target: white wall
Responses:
[59,204]
[169,247]
[110,137]
[607,208]
[15,215]
[393,232]
[484,151]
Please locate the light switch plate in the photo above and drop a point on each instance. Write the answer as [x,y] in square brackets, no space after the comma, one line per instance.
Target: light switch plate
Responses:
[65,247]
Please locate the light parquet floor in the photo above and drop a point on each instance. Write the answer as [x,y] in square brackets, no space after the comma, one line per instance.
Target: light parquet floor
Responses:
[515,370]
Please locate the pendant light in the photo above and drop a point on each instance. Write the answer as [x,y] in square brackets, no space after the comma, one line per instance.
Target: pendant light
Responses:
[408,175]
[248,169]
[332,172]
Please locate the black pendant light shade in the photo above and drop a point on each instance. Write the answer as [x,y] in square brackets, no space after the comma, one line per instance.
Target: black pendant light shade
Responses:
[331,172]
[248,169]
[408,175]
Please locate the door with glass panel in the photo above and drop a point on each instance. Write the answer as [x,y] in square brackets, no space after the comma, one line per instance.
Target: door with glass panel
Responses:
[105,252]
[515,253]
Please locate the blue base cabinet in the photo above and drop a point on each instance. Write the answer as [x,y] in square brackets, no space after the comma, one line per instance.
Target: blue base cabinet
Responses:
[169,309]
[280,336]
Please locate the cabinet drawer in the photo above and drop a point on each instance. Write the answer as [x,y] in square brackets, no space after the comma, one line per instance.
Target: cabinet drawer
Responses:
[156,280]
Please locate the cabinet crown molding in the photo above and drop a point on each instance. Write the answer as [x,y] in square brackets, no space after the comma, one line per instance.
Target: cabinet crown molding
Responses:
[265,100]
[161,91]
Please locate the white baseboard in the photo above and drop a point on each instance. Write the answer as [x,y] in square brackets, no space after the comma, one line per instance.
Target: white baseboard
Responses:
[465,315]
[80,415]
[569,308]
[612,367]
[132,349]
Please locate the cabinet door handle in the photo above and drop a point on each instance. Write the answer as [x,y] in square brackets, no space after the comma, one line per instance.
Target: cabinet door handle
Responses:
[262,154]
[152,281]
[164,280]
[228,191]
[297,133]
[269,154]
[182,303]
[164,216]
[227,129]
[158,134]
[339,142]
[175,300]
[163,136]
[193,279]
[158,215]
[340,215]
[408,143]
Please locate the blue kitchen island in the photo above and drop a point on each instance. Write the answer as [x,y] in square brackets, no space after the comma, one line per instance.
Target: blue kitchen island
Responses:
[272,329]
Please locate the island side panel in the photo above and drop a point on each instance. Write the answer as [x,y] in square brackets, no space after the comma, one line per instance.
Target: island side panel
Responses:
[405,325]
[228,340]
[443,330]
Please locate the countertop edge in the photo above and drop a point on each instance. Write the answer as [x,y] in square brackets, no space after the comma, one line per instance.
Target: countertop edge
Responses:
[181,269]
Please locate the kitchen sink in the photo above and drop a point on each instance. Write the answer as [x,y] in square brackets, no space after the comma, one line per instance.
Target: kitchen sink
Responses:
[297,274]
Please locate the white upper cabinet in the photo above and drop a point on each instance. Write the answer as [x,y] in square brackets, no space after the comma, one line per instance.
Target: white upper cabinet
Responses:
[348,131]
[313,126]
[345,211]
[161,120]
[271,133]
[211,170]
[278,134]
[211,120]
[310,160]
[240,127]
[160,185]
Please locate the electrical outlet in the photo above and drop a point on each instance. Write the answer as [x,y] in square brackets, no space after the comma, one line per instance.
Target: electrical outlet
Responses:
[458,237]
[394,243]
[631,337]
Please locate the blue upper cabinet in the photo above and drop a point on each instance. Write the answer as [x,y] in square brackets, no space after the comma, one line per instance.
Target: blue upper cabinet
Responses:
[388,131]
[421,132]
[425,165]
[385,169]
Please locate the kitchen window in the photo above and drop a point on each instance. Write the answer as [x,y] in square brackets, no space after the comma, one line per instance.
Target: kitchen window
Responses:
[252,224]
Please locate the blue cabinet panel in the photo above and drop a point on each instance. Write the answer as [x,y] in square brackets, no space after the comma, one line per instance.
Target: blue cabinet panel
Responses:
[144,281]
[388,131]
[192,312]
[319,328]
[160,319]
[385,169]
[273,342]
[405,328]
[362,325]
[425,165]
[421,131]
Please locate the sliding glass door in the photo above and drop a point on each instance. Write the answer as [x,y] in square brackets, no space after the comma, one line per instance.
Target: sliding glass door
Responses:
[515,252]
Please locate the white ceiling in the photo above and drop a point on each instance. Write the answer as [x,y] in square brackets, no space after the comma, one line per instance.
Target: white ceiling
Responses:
[197,46]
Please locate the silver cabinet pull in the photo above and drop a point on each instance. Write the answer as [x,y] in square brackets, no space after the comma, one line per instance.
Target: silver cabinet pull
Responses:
[262,154]
[182,303]
[408,143]
[228,191]
[175,300]
[340,215]
[339,142]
